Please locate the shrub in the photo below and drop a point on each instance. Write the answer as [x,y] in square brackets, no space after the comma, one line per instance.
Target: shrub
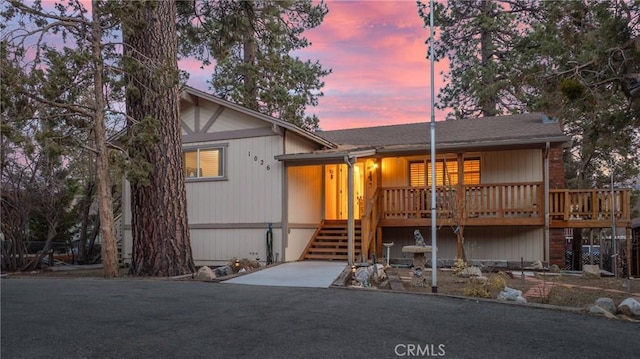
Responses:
[458,266]
[484,288]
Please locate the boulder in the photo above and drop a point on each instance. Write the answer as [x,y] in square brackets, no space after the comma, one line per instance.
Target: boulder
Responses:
[470,272]
[379,269]
[223,271]
[591,271]
[537,265]
[521,300]
[606,304]
[599,311]
[362,274]
[205,273]
[630,307]
[510,294]
[554,268]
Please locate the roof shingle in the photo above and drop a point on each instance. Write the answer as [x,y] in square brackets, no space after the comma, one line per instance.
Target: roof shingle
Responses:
[529,127]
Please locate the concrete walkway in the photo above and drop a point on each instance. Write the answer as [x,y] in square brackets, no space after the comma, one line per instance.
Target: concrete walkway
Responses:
[313,274]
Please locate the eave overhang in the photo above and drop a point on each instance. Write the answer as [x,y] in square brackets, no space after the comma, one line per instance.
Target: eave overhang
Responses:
[325,157]
[476,146]
[337,156]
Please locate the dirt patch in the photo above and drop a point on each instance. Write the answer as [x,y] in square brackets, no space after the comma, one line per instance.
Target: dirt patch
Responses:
[75,273]
[245,267]
[562,290]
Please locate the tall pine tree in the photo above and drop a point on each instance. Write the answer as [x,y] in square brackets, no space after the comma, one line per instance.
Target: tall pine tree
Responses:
[53,82]
[577,61]
[480,39]
[252,43]
[583,67]
[161,242]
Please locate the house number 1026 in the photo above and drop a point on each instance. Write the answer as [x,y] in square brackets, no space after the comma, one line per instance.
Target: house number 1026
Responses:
[256,159]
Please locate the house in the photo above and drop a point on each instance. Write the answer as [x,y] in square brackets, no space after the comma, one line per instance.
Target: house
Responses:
[338,195]
[236,190]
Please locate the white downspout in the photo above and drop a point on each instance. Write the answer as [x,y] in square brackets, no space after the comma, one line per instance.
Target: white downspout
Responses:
[350,219]
[284,228]
[285,213]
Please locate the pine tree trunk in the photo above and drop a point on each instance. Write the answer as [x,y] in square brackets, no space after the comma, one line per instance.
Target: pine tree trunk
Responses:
[488,100]
[249,58]
[87,200]
[108,248]
[161,244]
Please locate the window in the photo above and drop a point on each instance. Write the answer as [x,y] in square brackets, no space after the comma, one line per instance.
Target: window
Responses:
[444,170]
[204,163]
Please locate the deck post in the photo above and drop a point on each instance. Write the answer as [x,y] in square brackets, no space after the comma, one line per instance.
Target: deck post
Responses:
[614,237]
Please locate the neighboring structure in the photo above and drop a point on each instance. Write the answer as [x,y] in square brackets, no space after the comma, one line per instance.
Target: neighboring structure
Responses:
[501,178]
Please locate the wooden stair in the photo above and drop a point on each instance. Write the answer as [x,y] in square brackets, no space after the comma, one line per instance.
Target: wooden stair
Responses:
[330,242]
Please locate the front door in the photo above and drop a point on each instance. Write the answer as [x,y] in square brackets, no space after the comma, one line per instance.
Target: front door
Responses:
[337,190]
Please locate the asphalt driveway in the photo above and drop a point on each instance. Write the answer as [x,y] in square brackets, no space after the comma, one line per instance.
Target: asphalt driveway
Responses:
[135,318]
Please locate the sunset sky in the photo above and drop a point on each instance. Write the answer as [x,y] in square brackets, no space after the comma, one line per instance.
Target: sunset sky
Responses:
[378,55]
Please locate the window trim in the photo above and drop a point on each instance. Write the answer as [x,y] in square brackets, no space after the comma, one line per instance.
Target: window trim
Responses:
[214,146]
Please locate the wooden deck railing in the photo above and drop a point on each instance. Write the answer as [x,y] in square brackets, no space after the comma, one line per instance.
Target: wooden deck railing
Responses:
[590,204]
[482,200]
[515,203]
[369,222]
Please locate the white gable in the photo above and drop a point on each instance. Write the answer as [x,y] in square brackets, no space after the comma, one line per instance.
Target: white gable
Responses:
[207,117]
[230,120]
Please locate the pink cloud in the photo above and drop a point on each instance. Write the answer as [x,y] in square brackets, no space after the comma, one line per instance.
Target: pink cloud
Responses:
[378,55]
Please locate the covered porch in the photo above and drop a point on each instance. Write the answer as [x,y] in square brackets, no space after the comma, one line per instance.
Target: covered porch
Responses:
[503,176]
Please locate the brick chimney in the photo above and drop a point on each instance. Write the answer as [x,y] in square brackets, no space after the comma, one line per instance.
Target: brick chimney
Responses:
[556,168]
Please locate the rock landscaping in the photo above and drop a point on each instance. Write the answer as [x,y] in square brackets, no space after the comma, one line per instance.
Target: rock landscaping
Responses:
[629,308]
[591,293]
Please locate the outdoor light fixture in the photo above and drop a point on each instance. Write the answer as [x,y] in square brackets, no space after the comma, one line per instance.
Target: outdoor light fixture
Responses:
[353,269]
[371,168]
[237,264]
